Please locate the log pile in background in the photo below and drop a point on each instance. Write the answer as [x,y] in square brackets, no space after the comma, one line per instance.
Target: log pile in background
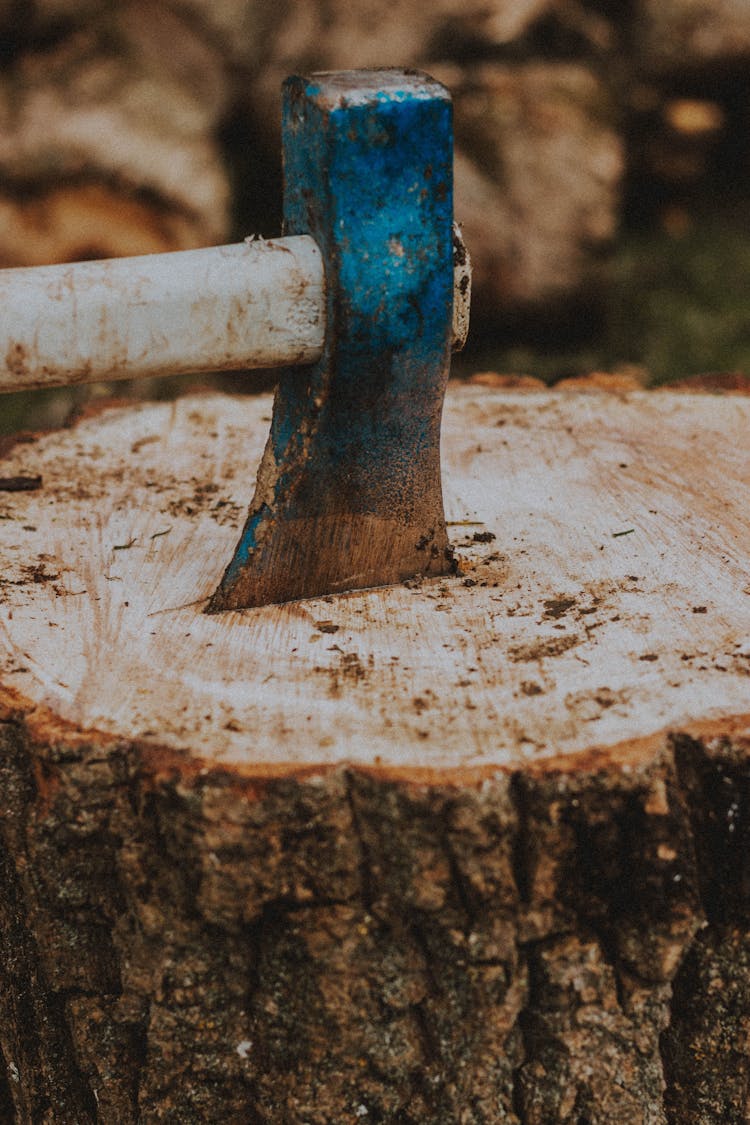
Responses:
[107,136]
[114,138]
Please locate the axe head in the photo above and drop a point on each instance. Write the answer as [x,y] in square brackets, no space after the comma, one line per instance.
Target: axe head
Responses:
[348,493]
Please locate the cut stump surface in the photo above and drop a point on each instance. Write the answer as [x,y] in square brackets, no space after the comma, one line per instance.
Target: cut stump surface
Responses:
[603,594]
[470,849]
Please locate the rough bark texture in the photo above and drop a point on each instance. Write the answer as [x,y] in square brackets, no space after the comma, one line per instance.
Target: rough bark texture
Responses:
[192,933]
[541,948]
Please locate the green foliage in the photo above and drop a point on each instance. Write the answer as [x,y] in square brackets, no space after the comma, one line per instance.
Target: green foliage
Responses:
[34,410]
[678,305]
[675,305]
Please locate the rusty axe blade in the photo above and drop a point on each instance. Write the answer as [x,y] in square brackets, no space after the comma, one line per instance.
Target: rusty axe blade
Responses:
[348,493]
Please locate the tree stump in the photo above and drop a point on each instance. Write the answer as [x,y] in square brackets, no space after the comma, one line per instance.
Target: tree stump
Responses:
[468,850]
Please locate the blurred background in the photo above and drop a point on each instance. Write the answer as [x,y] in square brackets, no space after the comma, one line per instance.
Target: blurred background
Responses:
[602,158]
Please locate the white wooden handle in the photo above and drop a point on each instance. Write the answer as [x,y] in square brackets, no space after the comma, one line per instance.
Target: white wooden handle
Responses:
[253,304]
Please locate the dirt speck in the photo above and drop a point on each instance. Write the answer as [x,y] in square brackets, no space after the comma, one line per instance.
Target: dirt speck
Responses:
[148,439]
[539,650]
[20,484]
[351,666]
[589,705]
[558,607]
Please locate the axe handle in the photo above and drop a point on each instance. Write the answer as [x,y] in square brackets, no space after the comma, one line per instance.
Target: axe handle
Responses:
[254,304]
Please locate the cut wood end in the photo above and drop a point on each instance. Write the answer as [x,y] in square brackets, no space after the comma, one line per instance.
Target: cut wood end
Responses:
[78,222]
[610,608]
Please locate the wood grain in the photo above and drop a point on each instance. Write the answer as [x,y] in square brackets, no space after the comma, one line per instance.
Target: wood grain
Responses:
[603,593]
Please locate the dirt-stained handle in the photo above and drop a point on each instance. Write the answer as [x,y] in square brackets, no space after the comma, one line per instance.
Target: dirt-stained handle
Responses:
[254,304]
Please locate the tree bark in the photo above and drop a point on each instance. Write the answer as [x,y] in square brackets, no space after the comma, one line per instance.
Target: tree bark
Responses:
[468,850]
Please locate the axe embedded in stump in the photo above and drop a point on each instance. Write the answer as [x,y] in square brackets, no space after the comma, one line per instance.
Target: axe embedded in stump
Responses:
[361,293]
[349,491]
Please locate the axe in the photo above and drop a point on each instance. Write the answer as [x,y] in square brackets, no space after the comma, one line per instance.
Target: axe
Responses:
[360,303]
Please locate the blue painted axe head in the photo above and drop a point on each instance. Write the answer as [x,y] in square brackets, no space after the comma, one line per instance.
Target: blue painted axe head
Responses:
[348,494]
